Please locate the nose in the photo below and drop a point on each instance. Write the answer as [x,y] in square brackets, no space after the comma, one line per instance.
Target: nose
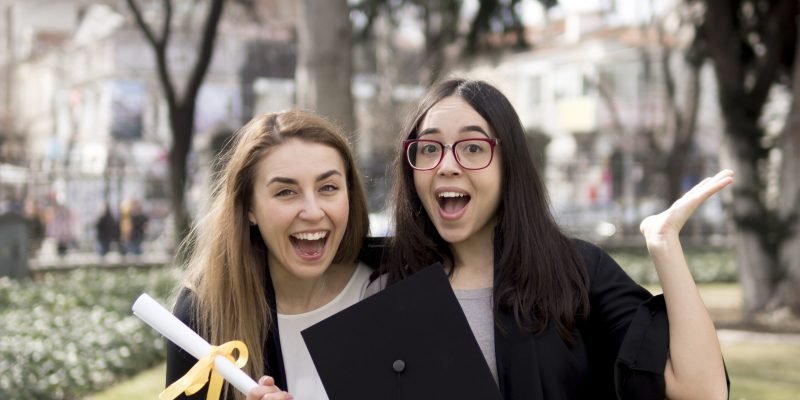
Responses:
[449,166]
[311,209]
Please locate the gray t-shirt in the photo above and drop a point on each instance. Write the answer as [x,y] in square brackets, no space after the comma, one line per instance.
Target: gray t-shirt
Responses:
[477,306]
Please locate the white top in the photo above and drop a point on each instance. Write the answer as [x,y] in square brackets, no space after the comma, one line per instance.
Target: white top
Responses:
[302,378]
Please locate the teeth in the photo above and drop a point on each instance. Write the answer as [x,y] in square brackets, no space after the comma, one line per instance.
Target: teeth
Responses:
[310,235]
[452,194]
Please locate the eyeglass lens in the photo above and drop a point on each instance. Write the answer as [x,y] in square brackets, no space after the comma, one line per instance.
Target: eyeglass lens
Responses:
[470,154]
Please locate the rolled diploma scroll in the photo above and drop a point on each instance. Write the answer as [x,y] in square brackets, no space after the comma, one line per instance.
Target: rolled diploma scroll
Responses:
[173,329]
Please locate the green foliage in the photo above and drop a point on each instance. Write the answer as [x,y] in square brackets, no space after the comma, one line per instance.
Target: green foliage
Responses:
[707,265]
[73,333]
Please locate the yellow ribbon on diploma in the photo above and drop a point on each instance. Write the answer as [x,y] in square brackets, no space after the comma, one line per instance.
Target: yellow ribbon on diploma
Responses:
[196,378]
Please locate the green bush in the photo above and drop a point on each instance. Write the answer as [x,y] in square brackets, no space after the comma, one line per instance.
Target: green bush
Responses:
[72,333]
[707,264]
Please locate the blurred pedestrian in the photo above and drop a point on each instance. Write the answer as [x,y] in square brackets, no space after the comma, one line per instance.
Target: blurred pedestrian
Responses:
[107,231]
[132,226]
[59,227]
[36,226]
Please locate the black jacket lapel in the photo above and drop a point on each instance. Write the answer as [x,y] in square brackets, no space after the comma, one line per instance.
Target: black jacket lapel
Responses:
[517,362]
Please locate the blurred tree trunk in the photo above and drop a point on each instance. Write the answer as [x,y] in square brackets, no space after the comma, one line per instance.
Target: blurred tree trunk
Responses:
[440,22]
[788,293]
[181,107]
[752,45]
[684,120]
[325,60]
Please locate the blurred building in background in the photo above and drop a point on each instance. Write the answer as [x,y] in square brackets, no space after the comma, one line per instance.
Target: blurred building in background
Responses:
[592,86]
[84,122]
[86,99]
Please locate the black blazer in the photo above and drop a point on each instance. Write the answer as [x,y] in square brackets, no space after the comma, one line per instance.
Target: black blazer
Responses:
[619,352]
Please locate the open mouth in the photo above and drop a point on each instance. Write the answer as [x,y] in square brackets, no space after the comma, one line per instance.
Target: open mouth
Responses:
[451,204]
[309,245]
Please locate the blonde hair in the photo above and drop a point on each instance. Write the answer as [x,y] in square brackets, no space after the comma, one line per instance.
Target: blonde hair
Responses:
[228,263]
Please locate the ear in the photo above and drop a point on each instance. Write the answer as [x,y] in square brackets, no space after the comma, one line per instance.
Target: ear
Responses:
[252,218]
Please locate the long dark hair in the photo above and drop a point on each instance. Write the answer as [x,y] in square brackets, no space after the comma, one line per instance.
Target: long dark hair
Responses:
[539,275]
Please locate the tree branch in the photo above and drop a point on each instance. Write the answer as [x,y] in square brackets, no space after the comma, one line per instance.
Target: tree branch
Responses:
[148,33]
[166,29]
[684,132]
[611,105]
[669,81]
[480,24]
[206,48]
[780,20]
[159,47]
[725,47]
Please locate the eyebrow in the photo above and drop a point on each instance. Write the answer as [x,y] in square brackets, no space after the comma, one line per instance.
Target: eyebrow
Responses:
[468,128]
[290,181]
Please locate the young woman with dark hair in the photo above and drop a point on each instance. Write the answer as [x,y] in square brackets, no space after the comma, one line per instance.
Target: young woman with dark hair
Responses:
[555,317]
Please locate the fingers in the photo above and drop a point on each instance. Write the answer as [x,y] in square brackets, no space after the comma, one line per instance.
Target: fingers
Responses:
[723,176]
[709,186]
[715,183]
[258,393]
[267,390]
[266,381]
[672,220]
[277,396]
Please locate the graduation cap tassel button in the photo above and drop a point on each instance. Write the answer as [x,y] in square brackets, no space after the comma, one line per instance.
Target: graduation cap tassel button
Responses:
[399,366]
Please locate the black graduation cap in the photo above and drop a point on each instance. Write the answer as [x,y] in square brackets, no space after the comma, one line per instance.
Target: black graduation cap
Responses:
[409,341]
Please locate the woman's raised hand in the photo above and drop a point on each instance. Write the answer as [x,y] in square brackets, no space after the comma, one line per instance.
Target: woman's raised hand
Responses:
[669,222]
[694,368]
[267,390]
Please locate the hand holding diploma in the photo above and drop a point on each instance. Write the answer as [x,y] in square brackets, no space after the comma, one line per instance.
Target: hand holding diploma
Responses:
[212,359]
[267,390]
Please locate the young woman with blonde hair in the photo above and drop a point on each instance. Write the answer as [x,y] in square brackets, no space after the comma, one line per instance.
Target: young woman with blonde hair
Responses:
[277,250]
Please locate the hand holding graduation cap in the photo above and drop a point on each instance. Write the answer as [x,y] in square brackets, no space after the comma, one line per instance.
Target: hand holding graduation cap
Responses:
[267,390]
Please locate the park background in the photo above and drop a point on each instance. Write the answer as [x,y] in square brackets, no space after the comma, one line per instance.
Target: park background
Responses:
[124,106]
